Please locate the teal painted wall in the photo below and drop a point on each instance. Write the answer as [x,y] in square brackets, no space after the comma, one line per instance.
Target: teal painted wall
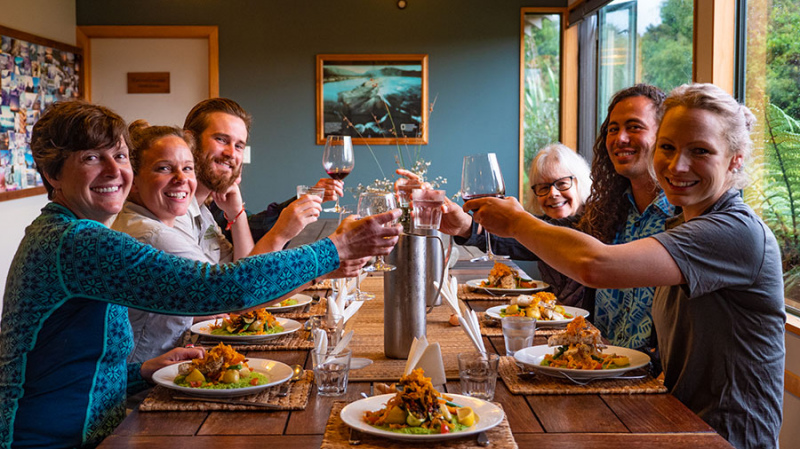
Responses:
[267,58]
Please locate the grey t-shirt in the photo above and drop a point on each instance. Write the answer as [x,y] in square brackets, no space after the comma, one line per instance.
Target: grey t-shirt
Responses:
[721,335]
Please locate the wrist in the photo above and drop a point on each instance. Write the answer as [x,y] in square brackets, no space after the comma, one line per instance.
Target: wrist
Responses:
[233,220]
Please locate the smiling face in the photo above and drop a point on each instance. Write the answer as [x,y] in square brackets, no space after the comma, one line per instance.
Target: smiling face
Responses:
[692,160]
[94,184]
[165,182]
[220,151]
[631,134]
[559,203]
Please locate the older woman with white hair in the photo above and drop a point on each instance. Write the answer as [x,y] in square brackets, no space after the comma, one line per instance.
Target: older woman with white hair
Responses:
[718,310]
[560,182]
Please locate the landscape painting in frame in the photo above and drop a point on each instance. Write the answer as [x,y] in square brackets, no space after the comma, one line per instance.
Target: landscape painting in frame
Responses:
[34,73]
[376,99]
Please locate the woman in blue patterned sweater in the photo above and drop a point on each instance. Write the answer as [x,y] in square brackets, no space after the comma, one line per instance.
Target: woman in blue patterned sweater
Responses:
[65,333]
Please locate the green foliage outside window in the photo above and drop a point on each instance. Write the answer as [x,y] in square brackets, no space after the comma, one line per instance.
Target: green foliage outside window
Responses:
[667,47]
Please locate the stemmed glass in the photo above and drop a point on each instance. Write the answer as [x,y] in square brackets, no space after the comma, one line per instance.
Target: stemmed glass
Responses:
[481,178]
[373,203]
[338,161]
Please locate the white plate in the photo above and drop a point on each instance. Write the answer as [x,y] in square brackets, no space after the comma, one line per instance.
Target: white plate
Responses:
[476,283]
[488,415]
[532,358]
[277,372]
[302,300]
[359,362]
[203,328]
[494,312]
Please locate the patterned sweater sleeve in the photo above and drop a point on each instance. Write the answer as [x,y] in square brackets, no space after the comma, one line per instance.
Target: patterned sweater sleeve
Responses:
[96,262]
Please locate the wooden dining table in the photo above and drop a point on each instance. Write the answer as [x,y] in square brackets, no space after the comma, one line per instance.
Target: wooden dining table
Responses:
[541,420]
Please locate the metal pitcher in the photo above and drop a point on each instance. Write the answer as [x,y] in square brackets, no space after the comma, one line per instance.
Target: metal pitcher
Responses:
[409,289]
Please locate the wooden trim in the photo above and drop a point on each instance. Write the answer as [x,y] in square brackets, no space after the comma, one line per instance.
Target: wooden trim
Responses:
[791,383]
[568,116]
[793,325]
[86,33]
[22,193]
[714,43]
[421,59]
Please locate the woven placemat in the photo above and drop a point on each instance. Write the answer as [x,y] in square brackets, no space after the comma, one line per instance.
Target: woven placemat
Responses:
[368,340]
[160,399]
[318,309]
[291,342]
[543,384]
[490,327]
[337,436]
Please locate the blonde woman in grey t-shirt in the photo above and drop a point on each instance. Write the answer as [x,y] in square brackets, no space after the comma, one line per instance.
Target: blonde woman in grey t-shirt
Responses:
[719,313]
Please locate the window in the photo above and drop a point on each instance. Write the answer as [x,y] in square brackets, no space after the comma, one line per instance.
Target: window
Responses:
[643,41]
[772,91]
[541,87]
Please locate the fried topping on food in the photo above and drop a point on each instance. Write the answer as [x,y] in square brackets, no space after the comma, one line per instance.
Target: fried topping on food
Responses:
[216,362]
[580,347]
[503,276]
[540,305]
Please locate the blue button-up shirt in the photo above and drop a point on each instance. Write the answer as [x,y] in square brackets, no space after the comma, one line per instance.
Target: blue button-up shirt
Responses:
[624,316]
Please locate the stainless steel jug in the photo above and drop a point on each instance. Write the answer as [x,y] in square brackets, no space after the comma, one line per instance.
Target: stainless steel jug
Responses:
[409,289]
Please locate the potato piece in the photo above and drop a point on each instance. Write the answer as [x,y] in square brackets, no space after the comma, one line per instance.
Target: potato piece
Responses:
[231,376]
[195,376]
[512,309]
[396,416]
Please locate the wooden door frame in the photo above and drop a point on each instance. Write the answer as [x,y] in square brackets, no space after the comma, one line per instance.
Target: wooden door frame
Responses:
[85,34]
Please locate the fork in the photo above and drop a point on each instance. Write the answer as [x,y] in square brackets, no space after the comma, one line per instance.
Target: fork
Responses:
[592,379]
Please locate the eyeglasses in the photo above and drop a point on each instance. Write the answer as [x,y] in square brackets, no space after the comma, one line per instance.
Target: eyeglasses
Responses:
[560,184]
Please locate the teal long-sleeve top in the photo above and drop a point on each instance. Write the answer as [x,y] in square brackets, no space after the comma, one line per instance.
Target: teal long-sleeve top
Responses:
[65,333]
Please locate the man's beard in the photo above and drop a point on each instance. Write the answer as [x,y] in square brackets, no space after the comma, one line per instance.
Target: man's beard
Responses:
[217,182]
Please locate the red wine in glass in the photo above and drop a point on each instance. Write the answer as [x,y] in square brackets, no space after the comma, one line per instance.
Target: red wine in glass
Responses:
[481,178]
[337,160]
[338,174]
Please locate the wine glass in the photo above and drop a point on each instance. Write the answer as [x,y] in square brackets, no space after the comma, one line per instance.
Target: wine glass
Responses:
[481,178]
[346,211]
[373,203]
[338,161]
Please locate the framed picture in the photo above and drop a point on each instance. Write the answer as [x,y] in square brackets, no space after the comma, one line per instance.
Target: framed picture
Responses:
[34,72]
[376,99]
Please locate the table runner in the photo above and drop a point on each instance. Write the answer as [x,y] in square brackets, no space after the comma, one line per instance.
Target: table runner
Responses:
[368,338]
[160,399]
[337,436]
[543,384]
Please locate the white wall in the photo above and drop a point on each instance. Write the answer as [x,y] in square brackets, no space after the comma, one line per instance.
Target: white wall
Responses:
[53,19]
[186,60]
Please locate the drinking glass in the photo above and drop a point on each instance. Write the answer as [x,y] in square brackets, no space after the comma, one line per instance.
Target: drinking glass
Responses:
[338,161]
[373,203]
[478,374]
[331,370]
[518,333]
[481,178]
[427,205]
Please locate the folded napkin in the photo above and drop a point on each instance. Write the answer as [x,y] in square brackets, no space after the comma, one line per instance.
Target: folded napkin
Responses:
[337,305]
[429,358]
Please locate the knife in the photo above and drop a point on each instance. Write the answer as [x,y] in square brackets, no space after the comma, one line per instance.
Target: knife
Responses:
[226,401]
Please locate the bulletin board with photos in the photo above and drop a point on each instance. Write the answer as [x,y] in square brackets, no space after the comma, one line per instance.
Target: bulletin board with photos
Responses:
[34,73]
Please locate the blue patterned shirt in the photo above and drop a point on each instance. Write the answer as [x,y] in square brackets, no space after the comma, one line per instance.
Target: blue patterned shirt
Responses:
[65,334]
[624,316]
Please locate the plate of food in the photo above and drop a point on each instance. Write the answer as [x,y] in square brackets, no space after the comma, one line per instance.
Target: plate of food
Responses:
[579,353]
[419,413]
[542,306]
[256,325]
[290,303]
[223,373]
[505,280]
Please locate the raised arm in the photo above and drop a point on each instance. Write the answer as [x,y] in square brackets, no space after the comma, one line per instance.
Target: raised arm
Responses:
[641,263]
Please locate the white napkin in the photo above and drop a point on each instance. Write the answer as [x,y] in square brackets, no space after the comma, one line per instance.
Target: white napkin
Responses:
[469,322]
[336,306]
[429,358]
[320,341]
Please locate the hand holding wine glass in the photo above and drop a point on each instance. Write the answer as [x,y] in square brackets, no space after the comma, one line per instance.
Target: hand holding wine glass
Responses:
[338,161]
[481,178]
[373,203]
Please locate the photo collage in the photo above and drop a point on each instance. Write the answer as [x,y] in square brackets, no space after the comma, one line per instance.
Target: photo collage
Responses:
[32,76]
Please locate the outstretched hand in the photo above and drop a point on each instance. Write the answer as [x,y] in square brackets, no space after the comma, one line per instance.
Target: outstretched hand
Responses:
[455,221]
[368,236]
[172,357]
[498,216]
[333,188]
